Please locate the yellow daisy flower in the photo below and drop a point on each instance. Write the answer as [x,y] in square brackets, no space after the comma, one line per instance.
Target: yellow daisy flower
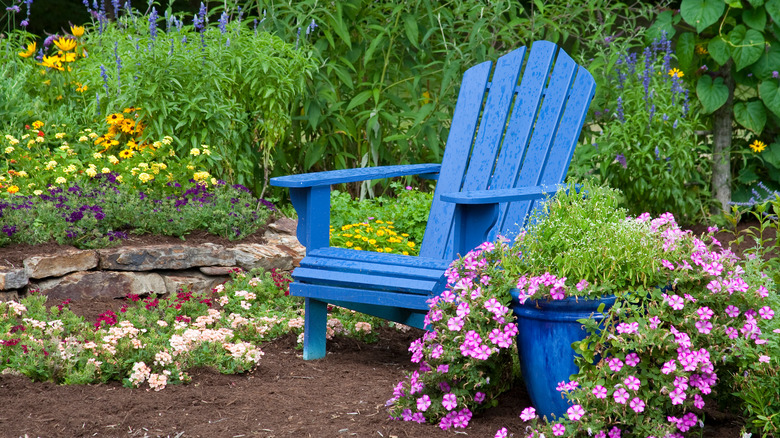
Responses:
[77,31]
[30,51]
[757,146]
[125,153]
[65,44]
[115,119]
[675,72]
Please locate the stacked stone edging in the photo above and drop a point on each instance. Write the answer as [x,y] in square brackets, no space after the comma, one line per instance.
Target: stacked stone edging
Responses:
[162,269]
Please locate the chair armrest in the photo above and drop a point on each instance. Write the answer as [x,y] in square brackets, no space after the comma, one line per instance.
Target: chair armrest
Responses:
[310,195]
[330,177]
[481,197]
[476,212]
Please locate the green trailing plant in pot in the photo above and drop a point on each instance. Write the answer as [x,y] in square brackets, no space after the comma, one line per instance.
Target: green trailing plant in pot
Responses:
[661,354]
[579,255]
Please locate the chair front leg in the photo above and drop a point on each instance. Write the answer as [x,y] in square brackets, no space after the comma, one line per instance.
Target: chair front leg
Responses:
[314,329]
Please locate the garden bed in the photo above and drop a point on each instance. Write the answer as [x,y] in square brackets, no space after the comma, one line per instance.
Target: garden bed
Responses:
[342,395]
[283,396]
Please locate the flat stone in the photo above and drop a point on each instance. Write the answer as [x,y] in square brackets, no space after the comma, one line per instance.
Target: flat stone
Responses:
[95,284]
[252,255]
[9,296]
[287,244]
[222,271]
[60,264]
[13,279]
[165,257]
[285,225]
[194,280]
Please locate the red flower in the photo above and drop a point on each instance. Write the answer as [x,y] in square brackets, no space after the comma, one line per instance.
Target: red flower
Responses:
[40,133]
[26,126]
[151,303]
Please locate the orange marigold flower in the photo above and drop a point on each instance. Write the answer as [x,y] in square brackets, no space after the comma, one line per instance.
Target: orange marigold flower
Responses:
[13,189]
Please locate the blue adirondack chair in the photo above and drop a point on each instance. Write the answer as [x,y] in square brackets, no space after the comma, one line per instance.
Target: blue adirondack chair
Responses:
[488,182]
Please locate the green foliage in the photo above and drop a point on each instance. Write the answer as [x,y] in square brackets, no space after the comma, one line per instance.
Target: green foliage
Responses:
[390,71]
[586,236]
[231,89]
[100,212]
[407,210]
[731,50]
[644,142]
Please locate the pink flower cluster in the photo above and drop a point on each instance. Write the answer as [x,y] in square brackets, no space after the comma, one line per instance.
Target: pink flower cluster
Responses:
[470,327]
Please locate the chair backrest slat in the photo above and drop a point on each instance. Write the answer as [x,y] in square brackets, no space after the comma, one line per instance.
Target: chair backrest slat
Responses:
[459,141]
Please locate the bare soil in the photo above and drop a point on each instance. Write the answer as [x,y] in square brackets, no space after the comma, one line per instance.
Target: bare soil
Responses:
[342,395]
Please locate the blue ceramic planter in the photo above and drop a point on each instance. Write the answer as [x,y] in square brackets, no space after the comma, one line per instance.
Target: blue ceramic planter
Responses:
[546,331]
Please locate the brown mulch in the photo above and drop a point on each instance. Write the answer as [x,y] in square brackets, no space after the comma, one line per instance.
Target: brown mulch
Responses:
[342,395]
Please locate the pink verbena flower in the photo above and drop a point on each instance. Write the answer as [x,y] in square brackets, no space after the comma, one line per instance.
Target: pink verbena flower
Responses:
[704,327]
[558,429]
[766,312]
[763,358]
[632,359]
[615,364]
[704,313]
[637,404]
[455,324]
[669,367]
[620,395]
[677,396]
[632,383]
[449,401]
[599,392]
[628,328]
[575,412]
[423,403]
[675,302]
[501,433]
[528,414]
[582,285]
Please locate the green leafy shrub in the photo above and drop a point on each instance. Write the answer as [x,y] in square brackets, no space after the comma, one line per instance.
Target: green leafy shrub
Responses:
[645,141]
[388,85]
[407,210]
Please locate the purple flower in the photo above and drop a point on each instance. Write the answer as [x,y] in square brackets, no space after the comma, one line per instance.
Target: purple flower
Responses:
[223,21]
[14,8]
[622,160]
[774,74]
[620,112]
[153,23]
